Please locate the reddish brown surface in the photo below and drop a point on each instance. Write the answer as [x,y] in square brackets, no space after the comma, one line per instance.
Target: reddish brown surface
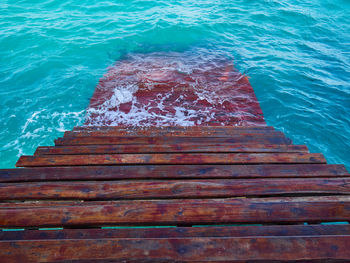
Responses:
[171,172]
[214,93]
[174,158]
[181,211]
[148,189]
[170,148]
[173,131]
[196,249]
[243,138]
[175,177]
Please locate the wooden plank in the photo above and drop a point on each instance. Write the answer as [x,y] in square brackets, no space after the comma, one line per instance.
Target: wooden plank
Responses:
[183,158]
[171,171]
[176,232]
[228,249]
[136,189]
[132,129]
[181,211]
[247,138]
[150,132]
[43,204]
[174,148]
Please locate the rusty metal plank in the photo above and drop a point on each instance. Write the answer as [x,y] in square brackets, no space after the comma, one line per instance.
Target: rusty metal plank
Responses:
[180,211]
[183,158]
[136,189]
[228,249]
[171,171]
[172,148]
[176,232]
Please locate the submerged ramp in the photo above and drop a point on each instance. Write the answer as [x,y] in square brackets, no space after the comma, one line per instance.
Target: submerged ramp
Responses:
[158,90]
[228,188]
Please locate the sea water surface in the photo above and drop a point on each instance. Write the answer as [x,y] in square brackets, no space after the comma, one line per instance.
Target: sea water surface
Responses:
[296,54]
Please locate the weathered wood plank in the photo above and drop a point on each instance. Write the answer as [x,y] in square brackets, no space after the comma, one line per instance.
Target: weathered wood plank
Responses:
[180,211]
[171,171]
[136,189]
[150,132]
[208,129]
[172,148]
[176,232]
[228,249]
[246,138]
[183,158]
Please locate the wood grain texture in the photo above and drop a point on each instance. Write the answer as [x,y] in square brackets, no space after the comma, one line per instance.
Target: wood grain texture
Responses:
[170,189]
[240,138]
[151,130]
[171,171]
[183,158]
[181,211]
[228,249]
[166,131]
[172,148]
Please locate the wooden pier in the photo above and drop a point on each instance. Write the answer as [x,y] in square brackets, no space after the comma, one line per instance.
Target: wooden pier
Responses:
[174,194]
[228,188]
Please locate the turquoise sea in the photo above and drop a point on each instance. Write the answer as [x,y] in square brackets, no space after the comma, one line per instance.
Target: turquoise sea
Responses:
[296,53]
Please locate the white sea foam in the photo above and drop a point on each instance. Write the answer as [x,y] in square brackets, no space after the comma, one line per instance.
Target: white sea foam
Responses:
[209,80]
